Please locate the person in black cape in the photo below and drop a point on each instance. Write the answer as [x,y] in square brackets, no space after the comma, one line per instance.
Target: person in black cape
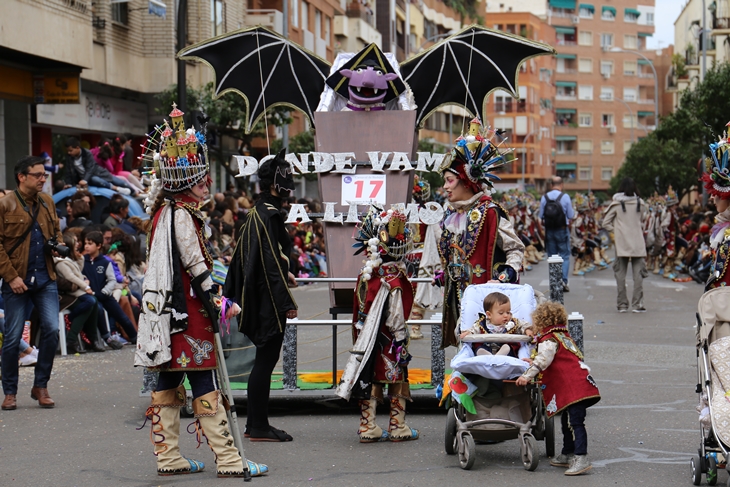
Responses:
[259,279]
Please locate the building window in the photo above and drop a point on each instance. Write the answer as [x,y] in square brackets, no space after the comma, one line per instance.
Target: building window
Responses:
[630,68]
[120,13]
[608,13]
[585,12]
[585,120]
[630,17]
[607,93]
[649,18]
[585,38]
[607,147]
[627,145]
[607,120]
[585,65]
[585,173]
[585,146]
[585,92]
[629,94]
[606,40]
[606,69]
[317,24]
[566,171]
[630,42]
[606,173]
[216,18]
[294,13]
[328,30]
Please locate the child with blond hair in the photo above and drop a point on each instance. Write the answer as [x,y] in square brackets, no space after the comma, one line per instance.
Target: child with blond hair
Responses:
[567,385]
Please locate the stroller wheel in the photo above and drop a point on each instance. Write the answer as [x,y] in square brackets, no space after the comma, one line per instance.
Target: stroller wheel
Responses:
[529,453]
[695,465]
[469,454]
[711,471]
[450,445]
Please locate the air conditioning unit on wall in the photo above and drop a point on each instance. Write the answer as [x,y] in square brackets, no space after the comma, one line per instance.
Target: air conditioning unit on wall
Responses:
[612,129]
[576,19]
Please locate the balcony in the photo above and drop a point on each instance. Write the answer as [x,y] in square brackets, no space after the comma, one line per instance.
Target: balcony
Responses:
[566,97]
[566,70]
[644,101]
[357,11]
[273,19]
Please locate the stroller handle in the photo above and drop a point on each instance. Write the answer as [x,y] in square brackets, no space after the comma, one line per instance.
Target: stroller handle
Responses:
[497,338]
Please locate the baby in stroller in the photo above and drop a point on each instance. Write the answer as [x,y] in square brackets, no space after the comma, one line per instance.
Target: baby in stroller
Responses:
[497,318]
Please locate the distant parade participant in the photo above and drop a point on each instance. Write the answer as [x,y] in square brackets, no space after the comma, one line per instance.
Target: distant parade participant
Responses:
[478,243]
[653,232]
[176,337]
[383,300]
[674,251]
[717,184]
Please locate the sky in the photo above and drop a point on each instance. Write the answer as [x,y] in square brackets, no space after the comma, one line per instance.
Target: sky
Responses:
[665,13]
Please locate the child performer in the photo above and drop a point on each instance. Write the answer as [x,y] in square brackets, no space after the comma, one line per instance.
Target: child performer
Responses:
[383,301]
[497,318]
[567,385]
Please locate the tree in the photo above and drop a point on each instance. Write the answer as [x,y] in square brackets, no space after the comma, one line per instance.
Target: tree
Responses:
[227,114]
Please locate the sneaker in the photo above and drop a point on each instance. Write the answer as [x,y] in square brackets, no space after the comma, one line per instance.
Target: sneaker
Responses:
[28,360]
[118,338]
[623,310]
[35,353]
[562,460]
[124,191]
[566,289]
[639,310]
[579,465]
[115,345]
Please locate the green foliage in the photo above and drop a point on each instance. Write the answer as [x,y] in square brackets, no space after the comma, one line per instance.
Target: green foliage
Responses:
[678,63]
[466,8]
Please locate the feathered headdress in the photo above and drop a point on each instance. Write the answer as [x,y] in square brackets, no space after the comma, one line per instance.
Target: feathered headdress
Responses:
[717,166]
[671,198]
[580,202]
[421,189]
[509,200]
[382,234]
[475,156]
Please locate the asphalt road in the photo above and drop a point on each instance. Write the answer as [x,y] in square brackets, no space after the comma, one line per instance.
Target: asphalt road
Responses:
[643,432]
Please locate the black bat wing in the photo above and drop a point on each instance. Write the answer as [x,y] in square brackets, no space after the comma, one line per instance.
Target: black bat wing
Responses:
[266,69]
[466,67]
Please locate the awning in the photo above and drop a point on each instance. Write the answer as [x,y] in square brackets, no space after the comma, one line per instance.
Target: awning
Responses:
[631,11]
[644,62]
[565,30]
[566,84]
[566,4]
[566,138]
[645,34]
[566,56]
[565,110]
[646,114]
[608,9]
[565,166]
[587,6]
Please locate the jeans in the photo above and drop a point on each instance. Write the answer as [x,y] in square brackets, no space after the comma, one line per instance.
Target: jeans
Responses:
[620,268]
[557,241]
[575,438]
[116,181]
[115,313]
[45,300]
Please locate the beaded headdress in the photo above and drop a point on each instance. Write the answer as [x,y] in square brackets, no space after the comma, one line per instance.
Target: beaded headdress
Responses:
[382,233]
[671,198]
[421,189]
[475,156]
[717,167]
[580,202]
[509,200]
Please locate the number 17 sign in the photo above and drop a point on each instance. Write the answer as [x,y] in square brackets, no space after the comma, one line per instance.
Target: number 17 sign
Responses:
[363,188]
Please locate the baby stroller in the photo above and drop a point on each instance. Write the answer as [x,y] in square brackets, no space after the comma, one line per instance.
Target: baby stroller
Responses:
[713,371]
[503,410]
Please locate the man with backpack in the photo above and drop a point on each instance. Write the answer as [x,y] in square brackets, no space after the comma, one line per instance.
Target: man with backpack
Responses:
[556,212]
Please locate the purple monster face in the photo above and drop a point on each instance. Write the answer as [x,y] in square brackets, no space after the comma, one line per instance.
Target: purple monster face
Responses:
[367,85]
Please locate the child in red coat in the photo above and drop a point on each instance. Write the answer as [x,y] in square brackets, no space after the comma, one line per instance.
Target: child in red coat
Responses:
[567,385]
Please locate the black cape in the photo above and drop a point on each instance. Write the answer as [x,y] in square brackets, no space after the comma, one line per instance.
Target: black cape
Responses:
[257,276]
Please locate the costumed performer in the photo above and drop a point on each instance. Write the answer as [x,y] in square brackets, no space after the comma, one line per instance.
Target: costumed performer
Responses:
[383,301]
[717,184]
[259,278]
[176,336]
[478,243]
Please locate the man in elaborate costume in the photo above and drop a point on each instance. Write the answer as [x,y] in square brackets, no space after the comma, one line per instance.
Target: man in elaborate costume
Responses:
[478,243]
[383,301]
[176,336]
[259,278]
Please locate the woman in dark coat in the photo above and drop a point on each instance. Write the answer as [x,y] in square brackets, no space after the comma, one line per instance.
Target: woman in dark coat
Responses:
[259,279]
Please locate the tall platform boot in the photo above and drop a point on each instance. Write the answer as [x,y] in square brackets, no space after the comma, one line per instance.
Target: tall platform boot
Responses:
[397,429]
[369,431]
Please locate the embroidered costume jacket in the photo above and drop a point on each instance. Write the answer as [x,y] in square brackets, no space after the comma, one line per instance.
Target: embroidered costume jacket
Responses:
[478,244]
[192,342]
[257,276]
[566,380]
[720,244]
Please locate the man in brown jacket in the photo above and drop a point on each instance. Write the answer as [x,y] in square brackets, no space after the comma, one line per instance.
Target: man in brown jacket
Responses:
[27,222]
[624,217]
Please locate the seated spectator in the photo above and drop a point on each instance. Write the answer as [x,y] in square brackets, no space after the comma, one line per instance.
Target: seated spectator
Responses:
[102,280]
[81,214]
[118,163]
[82,170]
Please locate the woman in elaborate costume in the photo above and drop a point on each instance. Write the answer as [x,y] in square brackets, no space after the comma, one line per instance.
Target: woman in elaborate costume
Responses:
[176,335]
[478,243]
[717,184]
[259,279]
[383,301]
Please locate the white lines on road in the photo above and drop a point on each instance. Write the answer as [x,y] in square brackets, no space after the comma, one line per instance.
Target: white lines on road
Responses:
[641,455]
[661,407]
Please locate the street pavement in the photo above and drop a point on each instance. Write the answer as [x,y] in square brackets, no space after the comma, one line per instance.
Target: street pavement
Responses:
[643,432]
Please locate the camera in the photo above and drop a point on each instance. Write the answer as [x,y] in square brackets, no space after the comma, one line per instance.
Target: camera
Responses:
[60,249]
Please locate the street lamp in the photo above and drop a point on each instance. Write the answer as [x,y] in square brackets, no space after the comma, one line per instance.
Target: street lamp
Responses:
[524,154]
[656,80]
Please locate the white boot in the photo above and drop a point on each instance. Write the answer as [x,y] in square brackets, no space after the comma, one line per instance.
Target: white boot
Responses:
[369,431]
[398,430]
